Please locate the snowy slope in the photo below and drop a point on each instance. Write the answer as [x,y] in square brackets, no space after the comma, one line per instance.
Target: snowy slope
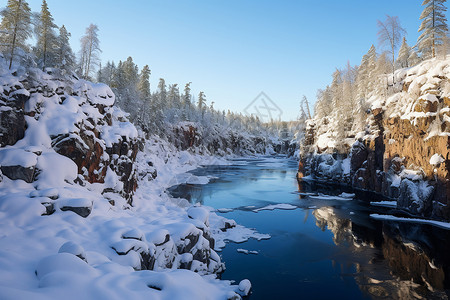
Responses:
[69,225]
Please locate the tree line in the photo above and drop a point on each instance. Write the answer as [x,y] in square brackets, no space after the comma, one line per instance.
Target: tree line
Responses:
[153,110]
[344,101]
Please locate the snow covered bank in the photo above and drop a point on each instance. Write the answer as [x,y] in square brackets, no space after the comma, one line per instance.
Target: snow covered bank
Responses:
[73,224]
[443,225]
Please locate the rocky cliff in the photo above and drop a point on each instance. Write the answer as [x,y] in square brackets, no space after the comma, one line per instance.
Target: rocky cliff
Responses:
[73,117]
[403,154]
[66,149]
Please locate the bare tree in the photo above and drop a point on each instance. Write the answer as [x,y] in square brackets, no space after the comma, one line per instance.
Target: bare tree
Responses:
[90,49]
[390,33]
[305,104]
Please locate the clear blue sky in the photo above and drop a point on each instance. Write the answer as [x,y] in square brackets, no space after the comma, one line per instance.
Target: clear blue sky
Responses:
[232,50]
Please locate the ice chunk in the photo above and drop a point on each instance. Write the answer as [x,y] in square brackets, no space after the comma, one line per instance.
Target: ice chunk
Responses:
[284,206]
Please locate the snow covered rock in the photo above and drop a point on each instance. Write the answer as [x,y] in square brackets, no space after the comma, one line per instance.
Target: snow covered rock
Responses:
[80,206]
[18,164]
[405,131]
[245,287]
[73,248]
[61,262]
[74,118]
[436,159]
[199,213]
[415,197]
[133,234]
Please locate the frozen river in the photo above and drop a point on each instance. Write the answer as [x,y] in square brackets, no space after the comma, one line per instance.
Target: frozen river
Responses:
[324,244]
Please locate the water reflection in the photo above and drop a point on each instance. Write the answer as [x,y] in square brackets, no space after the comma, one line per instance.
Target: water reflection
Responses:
[398,261]
[381,260]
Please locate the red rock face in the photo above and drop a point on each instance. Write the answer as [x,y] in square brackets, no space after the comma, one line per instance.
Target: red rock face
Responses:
[405,134]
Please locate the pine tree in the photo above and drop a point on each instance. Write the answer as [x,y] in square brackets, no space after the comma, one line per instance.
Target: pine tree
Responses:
[15,27]
[201,101]
[364,80]
[90,50]
[144,83]
[187,94]
[174,96]
[162,92]
[336,88]
[45,35]
[64,57]
[403,55]
[143,88]
[380,77]
[413,58]
[324,105]
[433,27]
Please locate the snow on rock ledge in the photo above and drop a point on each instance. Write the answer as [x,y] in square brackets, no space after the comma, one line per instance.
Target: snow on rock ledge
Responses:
[74,118]
[403,152]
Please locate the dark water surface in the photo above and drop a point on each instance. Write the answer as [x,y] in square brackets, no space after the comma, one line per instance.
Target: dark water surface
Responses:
[324,249]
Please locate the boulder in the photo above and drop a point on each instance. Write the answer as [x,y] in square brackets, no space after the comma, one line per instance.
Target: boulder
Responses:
[19,172]
[73,248]
[80,206]
[12,119]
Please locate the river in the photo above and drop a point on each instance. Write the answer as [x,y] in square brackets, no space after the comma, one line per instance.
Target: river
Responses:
[325,248]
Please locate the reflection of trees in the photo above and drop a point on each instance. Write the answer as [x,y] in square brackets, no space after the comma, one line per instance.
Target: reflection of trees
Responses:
[393,260]
[341,228]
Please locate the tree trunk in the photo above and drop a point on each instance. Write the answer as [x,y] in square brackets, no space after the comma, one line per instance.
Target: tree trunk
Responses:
[14,35]
[433,45]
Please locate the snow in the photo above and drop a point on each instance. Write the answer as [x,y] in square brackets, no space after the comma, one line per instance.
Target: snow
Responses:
[346,197]
[391,204]
[236,234]
[245,286]
[10,156]
[96,93]
[245,251]
[224,210]
[72,248]
[325,141]
[429,97]
[199,213]
[346,166]
[44,251]
[284,206]
[119,130]
[58,170]
[440,224]
[436,159]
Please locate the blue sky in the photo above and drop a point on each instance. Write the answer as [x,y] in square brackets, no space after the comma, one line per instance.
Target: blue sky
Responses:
[232,50]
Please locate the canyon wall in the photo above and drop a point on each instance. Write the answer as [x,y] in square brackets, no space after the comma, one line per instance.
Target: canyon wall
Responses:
[403,154]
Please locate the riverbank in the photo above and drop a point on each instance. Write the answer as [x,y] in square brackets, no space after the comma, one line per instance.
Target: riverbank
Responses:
[83,206]
[323,241]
